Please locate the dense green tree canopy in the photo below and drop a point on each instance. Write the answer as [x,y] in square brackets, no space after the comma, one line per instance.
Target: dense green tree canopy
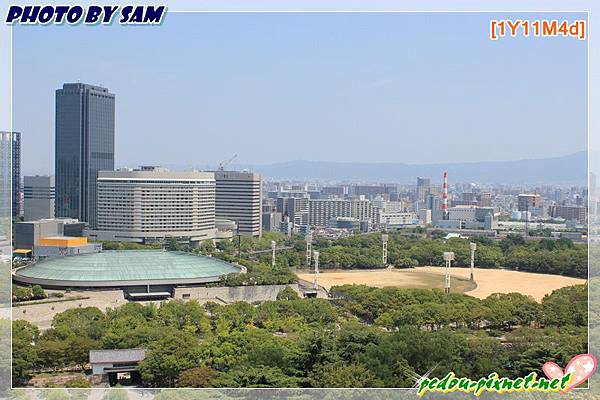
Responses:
[363,337]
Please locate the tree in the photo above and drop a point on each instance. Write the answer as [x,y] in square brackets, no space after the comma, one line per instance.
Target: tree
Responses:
[438,234]
[52,353]
[78,350]
[566,306]
[207,247]
[188,316]
[173,353]
[20,293]
[88,322]
[255,377]
[533,359]
[198,377]
[511,240]
[353,339]
[338,375]
[173,245]
[24,353]
[509,309]
[236,316]
[405,263]
[288,294]
[38,292]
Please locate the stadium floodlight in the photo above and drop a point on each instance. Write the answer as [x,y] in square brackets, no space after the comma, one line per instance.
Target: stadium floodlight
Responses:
[316,278]
[273,247]
[448,257]
[384,241]
[308,238]
[473,247]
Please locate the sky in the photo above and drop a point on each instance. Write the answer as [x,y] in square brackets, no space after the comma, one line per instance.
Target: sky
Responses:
[275,87]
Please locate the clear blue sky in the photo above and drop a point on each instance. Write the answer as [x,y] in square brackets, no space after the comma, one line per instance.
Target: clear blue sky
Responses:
[397,87]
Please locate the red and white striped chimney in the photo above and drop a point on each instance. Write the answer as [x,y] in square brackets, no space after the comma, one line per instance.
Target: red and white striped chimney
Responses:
[445,196]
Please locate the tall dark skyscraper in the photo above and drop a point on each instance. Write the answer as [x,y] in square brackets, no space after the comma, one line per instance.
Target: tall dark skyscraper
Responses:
[85,144]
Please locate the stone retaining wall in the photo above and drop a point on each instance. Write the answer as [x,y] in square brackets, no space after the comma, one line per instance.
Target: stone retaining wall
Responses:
[232,294]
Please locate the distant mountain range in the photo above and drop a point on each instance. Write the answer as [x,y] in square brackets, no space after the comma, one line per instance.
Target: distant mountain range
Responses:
[570,169]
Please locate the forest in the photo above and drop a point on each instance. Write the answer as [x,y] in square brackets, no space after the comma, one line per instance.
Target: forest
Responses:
[362,337]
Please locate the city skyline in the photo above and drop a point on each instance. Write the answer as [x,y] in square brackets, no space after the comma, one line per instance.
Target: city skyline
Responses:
[234,98]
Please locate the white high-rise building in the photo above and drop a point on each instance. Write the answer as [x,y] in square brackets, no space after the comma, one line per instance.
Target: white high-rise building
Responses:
[38,197]
[321,211]
[239,198]
[152,204]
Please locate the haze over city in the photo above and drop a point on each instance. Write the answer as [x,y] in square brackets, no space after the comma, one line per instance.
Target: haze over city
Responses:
[325,87]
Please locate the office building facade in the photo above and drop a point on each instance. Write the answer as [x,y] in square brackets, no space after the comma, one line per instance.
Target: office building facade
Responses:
[569,213]
[294,207]
[38,197]
[525,202]
[321,211]
[84,145]
[16,174]
[152,204]
[6,191]
[239,198]
[29,233]
[392,219]
[11,161]
[423,185]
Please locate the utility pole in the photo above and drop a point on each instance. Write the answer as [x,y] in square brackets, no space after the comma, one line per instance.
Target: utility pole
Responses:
[473,247]
[273,246]
[308,239]
[316,279]
[384,242]
[448,257]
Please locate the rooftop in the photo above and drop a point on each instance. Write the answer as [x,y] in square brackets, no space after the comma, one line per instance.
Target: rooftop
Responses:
[117,355]
[128,265]
[61,237]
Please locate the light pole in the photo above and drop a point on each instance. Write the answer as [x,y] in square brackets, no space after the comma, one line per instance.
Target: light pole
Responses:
[239,242]
[448,257]
[273,246]
[308,238]
[473,247]
[384,242]
[316,279]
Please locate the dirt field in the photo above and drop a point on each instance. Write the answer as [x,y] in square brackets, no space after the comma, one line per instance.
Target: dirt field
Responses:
[409,278]
[488,280]
[505,281]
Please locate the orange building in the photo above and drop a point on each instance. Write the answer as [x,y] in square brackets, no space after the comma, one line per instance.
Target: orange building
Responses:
[63,241]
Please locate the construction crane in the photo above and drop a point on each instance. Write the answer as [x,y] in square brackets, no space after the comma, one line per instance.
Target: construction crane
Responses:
[223,164]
